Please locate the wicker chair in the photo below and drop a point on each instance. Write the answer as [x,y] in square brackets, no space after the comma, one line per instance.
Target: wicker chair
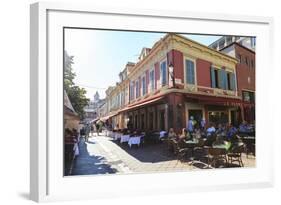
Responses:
[215,155]
[236,154]
[200,147]
[179,152]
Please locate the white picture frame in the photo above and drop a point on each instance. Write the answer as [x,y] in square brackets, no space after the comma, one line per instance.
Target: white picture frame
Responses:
[47,182]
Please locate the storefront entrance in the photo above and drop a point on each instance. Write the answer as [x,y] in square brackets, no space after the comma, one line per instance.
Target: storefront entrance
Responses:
[196,114]
[218,117]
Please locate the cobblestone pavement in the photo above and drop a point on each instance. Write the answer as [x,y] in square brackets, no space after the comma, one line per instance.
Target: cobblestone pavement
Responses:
[102,155]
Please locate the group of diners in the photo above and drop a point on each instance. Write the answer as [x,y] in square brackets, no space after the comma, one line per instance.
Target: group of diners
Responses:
[71,139]
[220,140]
[131,137]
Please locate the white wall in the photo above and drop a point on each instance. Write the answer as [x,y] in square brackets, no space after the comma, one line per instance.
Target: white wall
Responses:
[14,103]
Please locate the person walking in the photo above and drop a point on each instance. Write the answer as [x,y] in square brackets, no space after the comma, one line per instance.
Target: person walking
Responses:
[87,132]
[98,128]
[190,125]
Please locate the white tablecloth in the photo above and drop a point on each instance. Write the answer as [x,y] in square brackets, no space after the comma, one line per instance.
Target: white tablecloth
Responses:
[124,138]
[109,133]
[117,135]
[134,140]
[162,134]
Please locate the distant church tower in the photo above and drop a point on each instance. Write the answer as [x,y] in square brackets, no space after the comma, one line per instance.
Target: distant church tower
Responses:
[96,97]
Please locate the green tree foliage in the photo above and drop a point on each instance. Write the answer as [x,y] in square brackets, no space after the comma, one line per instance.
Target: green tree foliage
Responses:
[76,94]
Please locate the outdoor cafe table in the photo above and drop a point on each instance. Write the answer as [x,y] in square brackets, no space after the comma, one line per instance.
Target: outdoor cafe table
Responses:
[225,146]
[135,140]
[250,142]
[248,138]
[191,144]
[109,133]
[117,135]
[124,138]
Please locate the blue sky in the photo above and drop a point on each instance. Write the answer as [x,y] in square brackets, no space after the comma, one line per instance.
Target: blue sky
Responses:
[100,55]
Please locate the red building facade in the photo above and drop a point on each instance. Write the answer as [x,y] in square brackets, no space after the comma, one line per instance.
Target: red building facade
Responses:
[204,86]
[245,71]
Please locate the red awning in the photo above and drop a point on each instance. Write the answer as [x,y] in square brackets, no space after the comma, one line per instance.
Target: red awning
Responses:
[108,116]
[248,104]
[215,100]
[141,104]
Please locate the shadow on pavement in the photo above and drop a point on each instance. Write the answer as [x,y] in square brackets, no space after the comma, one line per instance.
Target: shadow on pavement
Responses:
[152,153]
[85,164]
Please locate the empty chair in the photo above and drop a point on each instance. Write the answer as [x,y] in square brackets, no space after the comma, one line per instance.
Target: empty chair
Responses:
[179,151]
[235,155]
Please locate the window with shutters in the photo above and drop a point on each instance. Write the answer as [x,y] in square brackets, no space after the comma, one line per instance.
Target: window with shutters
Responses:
[137,89]
[228,81]
[232,81]
[189,72]
[223,79]
[143,85]
[163,73]
[151,80]
[132,93]
[215,77]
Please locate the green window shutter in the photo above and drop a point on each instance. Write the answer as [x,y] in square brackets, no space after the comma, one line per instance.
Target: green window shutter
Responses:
[190,74]
[213,78]
[232,81]
[224,79]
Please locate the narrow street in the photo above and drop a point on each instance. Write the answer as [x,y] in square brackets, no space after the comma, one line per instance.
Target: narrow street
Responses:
[102,155]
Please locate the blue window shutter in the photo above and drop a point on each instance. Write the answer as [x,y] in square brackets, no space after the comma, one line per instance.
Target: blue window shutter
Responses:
[186,71]
[162,71]
[213,78]
[221,78]
[152,79]
[130,91]
[192,73]
[164,74]
[232,81]
[224,79]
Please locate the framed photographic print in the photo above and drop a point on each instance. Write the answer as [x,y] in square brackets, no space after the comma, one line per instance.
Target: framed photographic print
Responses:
[134,102]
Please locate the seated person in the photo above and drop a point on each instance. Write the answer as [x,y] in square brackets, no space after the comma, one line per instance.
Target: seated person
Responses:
[221,128]
[211,129]
[172,134]
[197,132]
[184,135]
[231,131]
[243,127]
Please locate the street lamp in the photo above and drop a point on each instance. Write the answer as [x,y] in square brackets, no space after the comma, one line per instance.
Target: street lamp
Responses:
[171,72]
